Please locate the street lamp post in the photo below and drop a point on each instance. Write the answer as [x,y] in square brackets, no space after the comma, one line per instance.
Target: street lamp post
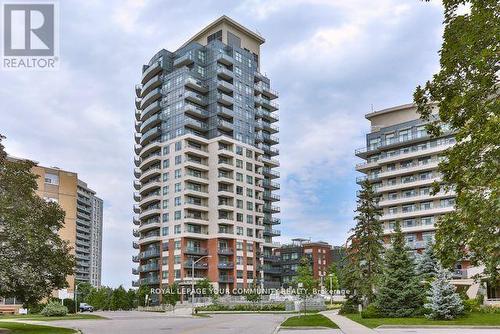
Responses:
[76,298]
[331,288]
[192,280]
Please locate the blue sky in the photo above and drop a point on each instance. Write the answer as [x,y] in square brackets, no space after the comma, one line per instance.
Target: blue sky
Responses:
[330,60]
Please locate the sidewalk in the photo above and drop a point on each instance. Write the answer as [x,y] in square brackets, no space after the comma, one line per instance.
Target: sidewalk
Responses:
[347,325]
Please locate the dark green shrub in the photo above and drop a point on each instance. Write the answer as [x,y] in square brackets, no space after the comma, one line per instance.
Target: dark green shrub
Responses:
[349,307]
[54,309]
[70,304]
[370,312]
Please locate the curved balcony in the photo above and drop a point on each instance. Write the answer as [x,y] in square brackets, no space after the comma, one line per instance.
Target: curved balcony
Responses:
[137,124]
[138,101]
[149,173]
[136,233]
[151,84]
[150,199]
[269,161]
[150,72]
[149,148]
[137,185]
[137,161]
[137,148]
[150,160]
[137,115]
[137,137]
[149,224]
[150,213]
[138,89]
[149,239]
[150,135]
[151,122]
[135,245]
[136,220]
[152,96]
[137,197]
[270,93]
[273,174]
[137,172]
[150,185]
[148,254]
[150,110]
[136,208]
[149,267]
[271,140]
[271,232]
[270,185]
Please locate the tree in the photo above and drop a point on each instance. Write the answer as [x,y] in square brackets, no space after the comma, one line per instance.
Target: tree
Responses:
[100,298]
[131,299]
[205,287]
[84,289]
[465,92]
[171,295]
[119,299]
[34,260]
[141,294]
[427,265]
[444,302]
[366,243]
[305,282]
[399,294]
[333,273]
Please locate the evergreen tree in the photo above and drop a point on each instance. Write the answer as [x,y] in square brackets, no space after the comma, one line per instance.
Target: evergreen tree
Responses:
[443,302]
[365,248]
[335,285]
[427,265]
[119,299]
[141,294]
[131,299]
[400,293]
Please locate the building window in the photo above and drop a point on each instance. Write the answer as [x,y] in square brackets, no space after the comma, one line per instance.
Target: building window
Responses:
[51,178]
[165,177]
[165,217]
[166,150]
[177,229]
[178,159]
[177,174]
[215,36]
[177,215]
[166,163]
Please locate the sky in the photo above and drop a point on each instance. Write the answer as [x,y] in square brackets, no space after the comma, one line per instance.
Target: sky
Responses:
[332,62]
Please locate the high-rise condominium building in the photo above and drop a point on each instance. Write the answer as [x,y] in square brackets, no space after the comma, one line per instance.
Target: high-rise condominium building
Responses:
[82,224]
[205,130]
[401,161]
[83,221]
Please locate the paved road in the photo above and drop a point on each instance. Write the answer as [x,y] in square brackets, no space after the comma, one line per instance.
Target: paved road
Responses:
[158,323]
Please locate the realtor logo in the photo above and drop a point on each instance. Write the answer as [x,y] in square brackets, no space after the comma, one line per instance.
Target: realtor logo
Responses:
[30,36]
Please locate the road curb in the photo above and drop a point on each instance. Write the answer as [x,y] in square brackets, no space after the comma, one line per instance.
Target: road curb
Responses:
[437,326]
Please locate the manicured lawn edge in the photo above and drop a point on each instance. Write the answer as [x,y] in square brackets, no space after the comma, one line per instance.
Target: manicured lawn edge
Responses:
[39,317]
[21,328]
[476,319]
[309,320]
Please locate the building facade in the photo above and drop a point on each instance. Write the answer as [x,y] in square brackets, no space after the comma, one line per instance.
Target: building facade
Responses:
[82,225]
[401,161]
[83,220]
[205,162]
[320,255]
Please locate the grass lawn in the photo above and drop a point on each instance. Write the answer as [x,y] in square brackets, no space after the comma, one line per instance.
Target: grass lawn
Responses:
[20,328]
[309,320]
[44,318]
[472,319]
